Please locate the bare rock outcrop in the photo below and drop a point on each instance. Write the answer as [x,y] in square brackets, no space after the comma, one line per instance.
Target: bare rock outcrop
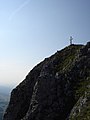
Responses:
[55,89]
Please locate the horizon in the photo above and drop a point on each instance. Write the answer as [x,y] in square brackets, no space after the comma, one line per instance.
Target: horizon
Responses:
[32,30]
[9,87]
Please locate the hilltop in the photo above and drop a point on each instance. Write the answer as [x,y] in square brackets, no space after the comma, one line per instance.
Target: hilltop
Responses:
[58,88]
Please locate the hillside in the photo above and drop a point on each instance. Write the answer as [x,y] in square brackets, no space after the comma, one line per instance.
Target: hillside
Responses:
[56,89]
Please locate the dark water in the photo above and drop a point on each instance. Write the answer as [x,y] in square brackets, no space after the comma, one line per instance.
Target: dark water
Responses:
[4,99]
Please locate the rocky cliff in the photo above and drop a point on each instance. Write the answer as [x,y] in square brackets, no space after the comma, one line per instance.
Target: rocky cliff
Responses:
[56,89]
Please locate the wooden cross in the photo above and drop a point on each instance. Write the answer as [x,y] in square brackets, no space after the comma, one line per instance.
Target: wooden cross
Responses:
[71,38]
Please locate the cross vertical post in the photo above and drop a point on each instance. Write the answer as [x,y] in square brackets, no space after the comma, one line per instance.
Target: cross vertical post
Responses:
[71,38]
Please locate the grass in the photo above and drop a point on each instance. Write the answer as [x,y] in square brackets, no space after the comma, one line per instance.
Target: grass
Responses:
[66,57]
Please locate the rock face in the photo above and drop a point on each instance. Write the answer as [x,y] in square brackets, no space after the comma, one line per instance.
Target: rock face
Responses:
[56,89]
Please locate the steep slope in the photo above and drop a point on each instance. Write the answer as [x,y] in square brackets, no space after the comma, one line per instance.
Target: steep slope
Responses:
[56,89]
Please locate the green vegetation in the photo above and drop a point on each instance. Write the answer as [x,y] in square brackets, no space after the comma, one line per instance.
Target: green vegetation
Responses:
[81,86]
[66,57]
[65,80]
[82,107]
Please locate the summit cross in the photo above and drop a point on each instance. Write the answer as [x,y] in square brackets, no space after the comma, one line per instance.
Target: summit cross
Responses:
[71,38]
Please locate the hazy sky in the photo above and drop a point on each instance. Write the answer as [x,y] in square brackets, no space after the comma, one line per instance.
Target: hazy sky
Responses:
[31,30]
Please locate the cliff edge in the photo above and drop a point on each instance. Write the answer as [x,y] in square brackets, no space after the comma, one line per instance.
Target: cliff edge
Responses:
[56,89]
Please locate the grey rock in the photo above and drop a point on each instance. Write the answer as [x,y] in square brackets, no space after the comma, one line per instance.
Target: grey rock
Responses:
[54,88]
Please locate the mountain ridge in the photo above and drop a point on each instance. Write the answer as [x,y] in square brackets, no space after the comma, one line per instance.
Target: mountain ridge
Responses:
[56,89]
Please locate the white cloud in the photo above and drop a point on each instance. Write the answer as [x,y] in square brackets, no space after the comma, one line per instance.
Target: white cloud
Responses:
[18,9]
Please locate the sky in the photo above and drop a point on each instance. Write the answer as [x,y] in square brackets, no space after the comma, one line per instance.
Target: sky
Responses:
[31,30]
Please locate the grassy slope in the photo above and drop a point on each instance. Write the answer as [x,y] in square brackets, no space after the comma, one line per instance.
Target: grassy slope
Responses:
[81,88]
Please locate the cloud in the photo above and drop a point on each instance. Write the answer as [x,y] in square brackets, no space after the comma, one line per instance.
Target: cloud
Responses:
[18,9]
